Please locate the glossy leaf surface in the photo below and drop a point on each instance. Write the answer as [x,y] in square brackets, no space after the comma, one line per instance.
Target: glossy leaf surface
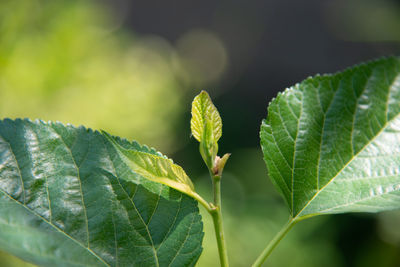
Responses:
[332,142]
[67,199]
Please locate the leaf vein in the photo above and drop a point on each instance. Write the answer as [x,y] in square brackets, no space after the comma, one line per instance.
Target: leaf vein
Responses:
[134,206]
[80,184]
[18,167]
[345,165]
[172,225]
[294,149]
[55,227]
[182,243]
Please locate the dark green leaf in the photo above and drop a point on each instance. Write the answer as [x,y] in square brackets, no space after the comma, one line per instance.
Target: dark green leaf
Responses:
[332,142]
[67,199]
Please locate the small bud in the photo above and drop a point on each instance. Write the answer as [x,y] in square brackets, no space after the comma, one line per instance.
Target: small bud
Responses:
[219,164]
[215,169]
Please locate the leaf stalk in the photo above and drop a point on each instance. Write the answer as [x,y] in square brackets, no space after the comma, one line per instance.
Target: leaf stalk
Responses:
[203,202]
[274,242]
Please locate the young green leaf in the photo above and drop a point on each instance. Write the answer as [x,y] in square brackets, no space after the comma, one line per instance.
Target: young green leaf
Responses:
[67,199]
[202,110]
[156,168]
[208,148]
[206,126]
[332,142]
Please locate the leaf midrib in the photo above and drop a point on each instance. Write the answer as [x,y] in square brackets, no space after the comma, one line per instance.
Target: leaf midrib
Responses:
[55,227]
[49,256]
[351,160]
[353,202]
[38,215]
[294,149]
[79,179]
[134,206]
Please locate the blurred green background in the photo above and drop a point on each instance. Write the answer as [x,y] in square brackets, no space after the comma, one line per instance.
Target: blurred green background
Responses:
[133,67]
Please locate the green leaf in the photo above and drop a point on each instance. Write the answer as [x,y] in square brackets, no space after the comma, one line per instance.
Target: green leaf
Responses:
[67,199]
[156,168]
[332,142]
[203,110]
[208,148]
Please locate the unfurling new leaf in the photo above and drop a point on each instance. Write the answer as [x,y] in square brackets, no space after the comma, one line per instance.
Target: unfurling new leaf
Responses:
[206,126]
[203,110]
[332,142]
[208,147]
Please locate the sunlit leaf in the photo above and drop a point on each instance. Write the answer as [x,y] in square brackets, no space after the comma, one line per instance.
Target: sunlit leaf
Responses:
[67,199]
[156,168]
[332,142]
[202,110]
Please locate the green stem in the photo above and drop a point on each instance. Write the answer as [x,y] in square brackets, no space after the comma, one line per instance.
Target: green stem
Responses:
[274,242]
[217,219]
[201,200]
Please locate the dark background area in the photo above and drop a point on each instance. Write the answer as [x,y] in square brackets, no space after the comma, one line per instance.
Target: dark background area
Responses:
[271,44]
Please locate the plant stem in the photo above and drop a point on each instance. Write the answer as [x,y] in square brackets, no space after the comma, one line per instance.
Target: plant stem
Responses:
[217,219]
[274,242]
